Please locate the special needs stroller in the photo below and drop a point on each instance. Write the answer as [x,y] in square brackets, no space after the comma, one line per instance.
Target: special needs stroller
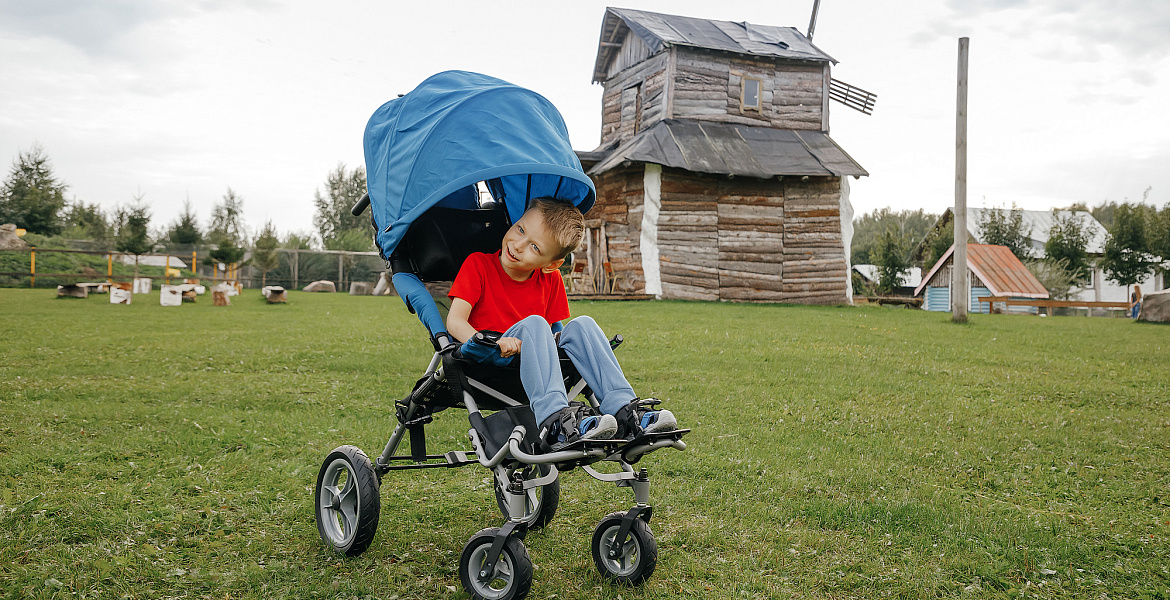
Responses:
[427,153]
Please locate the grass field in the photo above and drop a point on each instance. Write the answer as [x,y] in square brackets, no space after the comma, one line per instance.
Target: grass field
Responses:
[838,452]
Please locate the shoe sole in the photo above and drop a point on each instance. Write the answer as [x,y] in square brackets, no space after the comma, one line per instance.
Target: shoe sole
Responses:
[606,428]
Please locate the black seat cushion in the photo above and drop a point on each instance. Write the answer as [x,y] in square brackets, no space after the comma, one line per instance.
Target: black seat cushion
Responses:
[438,242]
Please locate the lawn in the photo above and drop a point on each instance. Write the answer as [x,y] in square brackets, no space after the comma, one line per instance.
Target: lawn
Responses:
[837,452]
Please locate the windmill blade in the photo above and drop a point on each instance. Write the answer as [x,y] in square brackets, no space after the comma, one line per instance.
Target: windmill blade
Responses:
[852,96]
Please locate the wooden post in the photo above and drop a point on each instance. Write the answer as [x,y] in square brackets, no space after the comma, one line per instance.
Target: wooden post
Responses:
[32,283]
[194,267]
[296,266]
[812,23]
[110,268]
[960,296]
[167,270]
[340,284]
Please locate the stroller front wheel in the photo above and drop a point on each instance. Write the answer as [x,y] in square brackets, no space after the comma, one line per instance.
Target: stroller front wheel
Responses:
[512,577]
[347,501]
[630,561]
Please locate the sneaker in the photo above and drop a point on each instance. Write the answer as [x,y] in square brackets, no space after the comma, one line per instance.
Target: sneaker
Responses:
[640,416]
[576,422]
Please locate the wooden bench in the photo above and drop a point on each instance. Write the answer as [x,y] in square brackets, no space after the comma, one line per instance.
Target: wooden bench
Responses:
[1045,303]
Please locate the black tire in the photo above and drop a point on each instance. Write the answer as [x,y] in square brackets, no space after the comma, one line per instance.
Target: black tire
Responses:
[542,501]
[639,554]
[347,501]
[513,573]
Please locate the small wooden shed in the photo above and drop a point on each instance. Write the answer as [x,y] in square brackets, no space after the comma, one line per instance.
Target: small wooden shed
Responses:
[716,176]
[991,271]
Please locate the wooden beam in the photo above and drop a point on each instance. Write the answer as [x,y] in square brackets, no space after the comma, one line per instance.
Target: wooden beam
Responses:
[960,299]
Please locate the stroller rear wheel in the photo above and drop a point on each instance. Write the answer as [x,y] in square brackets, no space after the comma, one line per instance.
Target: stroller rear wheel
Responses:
[347,501]
[633,559]
[541,502]
[512,577]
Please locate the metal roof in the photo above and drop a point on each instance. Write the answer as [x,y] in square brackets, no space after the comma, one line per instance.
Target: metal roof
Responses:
[729,149]
[1040,223]
[997,268]
[658,31]
[911,278]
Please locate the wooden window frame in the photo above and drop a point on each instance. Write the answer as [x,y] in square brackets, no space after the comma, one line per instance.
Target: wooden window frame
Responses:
[759,107]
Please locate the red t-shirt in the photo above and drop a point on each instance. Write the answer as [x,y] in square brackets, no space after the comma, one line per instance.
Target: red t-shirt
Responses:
[499,302]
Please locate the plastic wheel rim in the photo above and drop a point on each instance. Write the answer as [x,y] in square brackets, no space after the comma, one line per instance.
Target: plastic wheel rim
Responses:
[502,579]
[628,561]
[339,508]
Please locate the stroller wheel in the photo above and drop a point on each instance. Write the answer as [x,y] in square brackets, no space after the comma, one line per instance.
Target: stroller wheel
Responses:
[347,501]
[636,555]
[541,502]
[512,576]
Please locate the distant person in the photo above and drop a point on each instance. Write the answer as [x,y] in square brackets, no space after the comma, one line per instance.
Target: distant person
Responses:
[519,291]
[1135,302]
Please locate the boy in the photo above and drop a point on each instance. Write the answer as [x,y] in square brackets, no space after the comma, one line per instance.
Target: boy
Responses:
[519,291]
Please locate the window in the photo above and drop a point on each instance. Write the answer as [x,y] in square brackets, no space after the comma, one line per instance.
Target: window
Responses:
[750,94]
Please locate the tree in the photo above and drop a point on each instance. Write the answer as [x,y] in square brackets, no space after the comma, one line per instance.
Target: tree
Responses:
[297,241]
[914,225]
[1068,241]
[185,230]
[937,242]
[343,188]
[32,197]
[1127,259]
[1055,276]
[87,222]
[890,257]
[227,220]
[1007,229]
[1159,237]
[264,255]
[133,227]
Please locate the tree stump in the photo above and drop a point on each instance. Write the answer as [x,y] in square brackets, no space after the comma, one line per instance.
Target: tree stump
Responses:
[274,294]
[219,298]
[361,288]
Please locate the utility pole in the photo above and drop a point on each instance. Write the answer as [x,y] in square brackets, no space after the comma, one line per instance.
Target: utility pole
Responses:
[960,295]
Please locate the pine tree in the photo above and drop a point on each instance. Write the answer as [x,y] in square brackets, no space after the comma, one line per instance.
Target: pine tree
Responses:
[32,197]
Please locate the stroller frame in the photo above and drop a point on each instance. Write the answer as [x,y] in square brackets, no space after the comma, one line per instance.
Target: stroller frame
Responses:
[426,223]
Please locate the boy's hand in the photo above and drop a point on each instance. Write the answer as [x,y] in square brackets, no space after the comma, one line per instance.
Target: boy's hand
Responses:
[509,346]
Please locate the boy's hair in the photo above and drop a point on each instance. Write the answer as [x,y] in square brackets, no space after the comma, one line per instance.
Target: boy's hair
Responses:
[563,220]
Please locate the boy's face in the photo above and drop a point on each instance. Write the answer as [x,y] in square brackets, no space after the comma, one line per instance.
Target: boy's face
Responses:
[529,246]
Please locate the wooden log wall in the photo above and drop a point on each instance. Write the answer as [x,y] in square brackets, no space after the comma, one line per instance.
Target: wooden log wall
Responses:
[619,110]
[814,257]
[707,87]
[688,236]
[619,204]
[751,239]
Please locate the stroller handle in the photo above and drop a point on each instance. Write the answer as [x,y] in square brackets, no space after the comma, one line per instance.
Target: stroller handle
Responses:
[361,205]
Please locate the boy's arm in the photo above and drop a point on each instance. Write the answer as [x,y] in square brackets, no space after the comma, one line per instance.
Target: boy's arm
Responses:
[457,324]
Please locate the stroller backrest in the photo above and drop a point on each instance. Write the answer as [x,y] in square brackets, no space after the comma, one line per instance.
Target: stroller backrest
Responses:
[440,240]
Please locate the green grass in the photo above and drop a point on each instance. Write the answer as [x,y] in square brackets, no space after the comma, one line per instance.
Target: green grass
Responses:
[838,452]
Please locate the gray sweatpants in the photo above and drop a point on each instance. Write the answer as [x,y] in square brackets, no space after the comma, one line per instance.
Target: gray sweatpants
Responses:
[587,347]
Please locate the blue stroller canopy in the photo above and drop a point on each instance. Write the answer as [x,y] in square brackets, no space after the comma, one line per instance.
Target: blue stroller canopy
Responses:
[431,146]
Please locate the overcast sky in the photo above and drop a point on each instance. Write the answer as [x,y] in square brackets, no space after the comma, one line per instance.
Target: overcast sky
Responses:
[178,99]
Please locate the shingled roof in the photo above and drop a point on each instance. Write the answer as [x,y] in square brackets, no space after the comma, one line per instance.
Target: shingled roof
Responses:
[658,31]
[730,149]
[997,268]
